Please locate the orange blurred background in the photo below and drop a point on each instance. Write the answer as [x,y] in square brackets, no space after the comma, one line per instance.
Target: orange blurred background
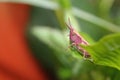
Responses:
[16,60]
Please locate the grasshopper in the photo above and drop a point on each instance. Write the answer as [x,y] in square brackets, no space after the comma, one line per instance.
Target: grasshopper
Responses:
[76,40]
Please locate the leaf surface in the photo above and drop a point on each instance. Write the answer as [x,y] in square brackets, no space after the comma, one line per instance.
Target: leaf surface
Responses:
[106,51]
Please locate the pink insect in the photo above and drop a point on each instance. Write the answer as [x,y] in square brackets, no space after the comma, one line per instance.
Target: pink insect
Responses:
[76,40]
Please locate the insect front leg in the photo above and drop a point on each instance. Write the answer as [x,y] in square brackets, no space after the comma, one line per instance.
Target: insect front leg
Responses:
[84,53]
[73,44]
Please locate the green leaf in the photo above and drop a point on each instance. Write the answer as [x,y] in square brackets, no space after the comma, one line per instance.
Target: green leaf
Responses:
[106,51]
[57,40]
[47,4]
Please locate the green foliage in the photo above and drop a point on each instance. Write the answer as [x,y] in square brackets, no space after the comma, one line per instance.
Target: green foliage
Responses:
[106,51]
[94,19]
[65,60]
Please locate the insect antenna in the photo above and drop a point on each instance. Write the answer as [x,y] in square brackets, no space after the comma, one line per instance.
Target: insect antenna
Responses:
[69,24]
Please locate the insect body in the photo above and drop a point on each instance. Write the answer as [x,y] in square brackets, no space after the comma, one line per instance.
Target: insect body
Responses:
[76,40]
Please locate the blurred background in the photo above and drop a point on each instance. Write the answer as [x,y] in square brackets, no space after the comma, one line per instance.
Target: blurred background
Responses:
[34,38]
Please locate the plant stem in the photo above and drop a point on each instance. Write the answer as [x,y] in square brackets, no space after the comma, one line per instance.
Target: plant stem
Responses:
[76,12]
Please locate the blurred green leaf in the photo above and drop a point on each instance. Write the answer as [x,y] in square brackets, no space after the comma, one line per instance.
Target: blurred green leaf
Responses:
[107,51]
[104,8]
[95,20]
[50,44]
[58,41]
[53,38]
[77,12]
